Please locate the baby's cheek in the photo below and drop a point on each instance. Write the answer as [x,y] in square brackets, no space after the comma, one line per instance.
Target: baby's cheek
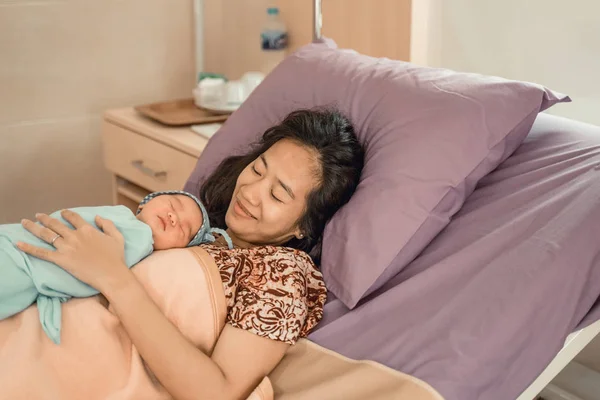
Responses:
[159,241]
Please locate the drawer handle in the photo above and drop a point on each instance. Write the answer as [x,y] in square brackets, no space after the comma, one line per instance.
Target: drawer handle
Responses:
[139,164]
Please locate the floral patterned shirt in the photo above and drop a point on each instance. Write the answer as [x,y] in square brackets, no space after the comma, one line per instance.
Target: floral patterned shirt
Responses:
[271,291]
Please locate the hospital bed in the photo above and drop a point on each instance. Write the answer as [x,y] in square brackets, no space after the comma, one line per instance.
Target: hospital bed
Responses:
[522,259]
[535,303]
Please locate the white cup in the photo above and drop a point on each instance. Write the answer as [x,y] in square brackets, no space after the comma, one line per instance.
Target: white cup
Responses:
[233,93]
[209,91]
[252,80]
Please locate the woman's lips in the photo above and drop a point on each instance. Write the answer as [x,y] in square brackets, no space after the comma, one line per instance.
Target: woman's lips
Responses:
[240,210]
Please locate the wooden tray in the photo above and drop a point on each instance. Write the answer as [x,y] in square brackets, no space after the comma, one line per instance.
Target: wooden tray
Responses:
[179,112]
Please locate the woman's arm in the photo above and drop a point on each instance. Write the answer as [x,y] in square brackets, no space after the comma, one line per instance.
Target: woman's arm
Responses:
[240,359]
[239,362]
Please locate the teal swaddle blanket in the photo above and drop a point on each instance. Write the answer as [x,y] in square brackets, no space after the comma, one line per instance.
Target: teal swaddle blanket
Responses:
[25,279]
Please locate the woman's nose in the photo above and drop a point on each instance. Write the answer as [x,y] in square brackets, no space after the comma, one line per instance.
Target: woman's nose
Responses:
[172,218]
[251,193]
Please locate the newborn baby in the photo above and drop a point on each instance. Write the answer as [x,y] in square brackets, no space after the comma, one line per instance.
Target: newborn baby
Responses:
[164,220]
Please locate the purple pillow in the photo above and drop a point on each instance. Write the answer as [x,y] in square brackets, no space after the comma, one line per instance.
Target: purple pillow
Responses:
[430,135]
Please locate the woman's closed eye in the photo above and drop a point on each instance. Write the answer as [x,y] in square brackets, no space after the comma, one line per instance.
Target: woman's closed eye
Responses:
[275,197]
[256,172]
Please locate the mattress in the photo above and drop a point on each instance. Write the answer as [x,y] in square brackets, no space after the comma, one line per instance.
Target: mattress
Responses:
[488,304]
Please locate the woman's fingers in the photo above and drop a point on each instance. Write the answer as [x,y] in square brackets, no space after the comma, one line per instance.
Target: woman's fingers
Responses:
[38,252]
[108,227]
[47,235]
[74,219]
[54,225]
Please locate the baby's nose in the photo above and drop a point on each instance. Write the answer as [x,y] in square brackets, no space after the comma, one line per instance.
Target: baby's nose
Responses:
[172,218]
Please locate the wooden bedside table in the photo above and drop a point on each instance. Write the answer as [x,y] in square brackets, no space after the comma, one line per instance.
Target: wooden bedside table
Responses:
[145,156]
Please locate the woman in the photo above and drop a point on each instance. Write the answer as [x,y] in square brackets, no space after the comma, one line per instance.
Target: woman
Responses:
[274,203]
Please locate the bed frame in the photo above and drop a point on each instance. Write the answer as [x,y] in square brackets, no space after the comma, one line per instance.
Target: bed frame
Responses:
[573,345]
[574,342]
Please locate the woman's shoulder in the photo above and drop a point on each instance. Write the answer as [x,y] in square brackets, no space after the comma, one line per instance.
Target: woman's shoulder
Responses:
[274,260]
[285,252]
[285,257]
[270,252]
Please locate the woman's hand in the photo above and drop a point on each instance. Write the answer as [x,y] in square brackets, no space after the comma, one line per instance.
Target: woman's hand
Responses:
[90,255]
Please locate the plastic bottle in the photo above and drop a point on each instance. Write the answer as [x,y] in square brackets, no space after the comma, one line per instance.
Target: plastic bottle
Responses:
[274,40]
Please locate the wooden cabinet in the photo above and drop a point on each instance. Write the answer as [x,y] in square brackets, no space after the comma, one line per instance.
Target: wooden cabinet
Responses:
[145,156]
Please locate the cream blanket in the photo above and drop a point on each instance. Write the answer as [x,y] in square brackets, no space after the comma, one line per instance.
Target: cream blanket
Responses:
[97,361]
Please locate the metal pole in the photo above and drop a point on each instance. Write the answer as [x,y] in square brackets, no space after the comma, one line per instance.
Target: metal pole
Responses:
[317,20]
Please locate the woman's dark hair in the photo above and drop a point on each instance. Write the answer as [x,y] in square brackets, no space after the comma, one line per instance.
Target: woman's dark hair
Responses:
[340,155]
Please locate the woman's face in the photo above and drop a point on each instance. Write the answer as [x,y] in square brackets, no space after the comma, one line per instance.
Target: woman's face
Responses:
[270,194]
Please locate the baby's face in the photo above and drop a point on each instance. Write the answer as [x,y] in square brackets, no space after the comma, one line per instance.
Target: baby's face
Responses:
[174,220]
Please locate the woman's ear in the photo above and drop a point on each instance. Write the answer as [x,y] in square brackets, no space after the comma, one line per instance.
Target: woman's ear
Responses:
[299,234]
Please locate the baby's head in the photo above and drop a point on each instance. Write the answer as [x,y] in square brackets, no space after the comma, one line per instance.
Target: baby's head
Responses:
[174,217]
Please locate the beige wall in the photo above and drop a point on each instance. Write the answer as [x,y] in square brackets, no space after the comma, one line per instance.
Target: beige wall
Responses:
[62,63]
[555,43]
[379,28]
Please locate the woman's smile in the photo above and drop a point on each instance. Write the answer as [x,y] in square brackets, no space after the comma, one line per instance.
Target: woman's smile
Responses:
[242,211]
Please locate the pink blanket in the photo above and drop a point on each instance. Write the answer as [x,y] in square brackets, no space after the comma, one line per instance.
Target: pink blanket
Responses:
[96,359]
